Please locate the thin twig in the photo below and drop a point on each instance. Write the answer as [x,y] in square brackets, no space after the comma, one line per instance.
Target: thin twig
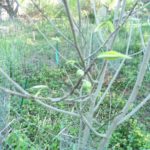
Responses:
[114,32]
[91,128]
[79,13]
[38,100]
[13,82]
[116,74]
[51,22]
[139,106]
[72,29]
[132,98]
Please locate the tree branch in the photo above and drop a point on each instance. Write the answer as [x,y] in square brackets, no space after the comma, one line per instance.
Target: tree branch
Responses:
[38,100]
[132,98]
[73,30]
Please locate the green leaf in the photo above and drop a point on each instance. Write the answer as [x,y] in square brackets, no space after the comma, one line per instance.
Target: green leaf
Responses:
[112,55]
[107,24]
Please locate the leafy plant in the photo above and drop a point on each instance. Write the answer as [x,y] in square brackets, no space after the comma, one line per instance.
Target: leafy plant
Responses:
[130,136]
